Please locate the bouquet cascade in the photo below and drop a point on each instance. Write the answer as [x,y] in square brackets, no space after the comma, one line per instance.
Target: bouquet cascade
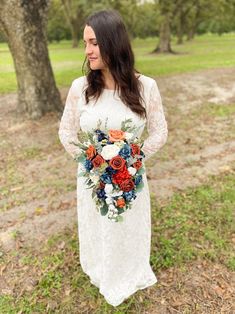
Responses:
[112,164]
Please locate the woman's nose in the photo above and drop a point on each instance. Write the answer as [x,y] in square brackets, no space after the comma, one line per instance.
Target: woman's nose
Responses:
[88,49]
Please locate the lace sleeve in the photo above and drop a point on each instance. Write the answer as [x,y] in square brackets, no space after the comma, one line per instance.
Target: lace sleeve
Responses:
[156,124]
[69,124]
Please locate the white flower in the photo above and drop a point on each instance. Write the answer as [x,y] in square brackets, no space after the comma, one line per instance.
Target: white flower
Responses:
[94,178]
[111,207]
[132,170]
[108,200]
[108,188]
[110,151]
[116,193]
[128,135]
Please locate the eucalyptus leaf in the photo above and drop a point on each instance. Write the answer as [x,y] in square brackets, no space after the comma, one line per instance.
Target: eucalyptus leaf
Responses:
[81,174]
[141,170]
[104,209]
[120,218]
[139,187]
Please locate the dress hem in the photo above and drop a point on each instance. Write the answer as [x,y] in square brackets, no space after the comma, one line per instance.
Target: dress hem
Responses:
[131,292]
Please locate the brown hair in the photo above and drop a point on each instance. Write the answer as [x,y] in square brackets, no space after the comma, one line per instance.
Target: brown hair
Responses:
[116,52]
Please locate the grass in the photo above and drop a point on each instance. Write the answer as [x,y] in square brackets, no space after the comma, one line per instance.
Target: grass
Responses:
[195,224]
[204,52]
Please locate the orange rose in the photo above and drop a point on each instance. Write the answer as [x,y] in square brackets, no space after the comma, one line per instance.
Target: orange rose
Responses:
[137,165]
[97,161]
[127,185]
[121,202]
[91,152]
[116,135]
[117,162]
[135,149]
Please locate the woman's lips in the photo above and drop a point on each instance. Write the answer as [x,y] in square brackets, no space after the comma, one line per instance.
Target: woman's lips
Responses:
[92,59]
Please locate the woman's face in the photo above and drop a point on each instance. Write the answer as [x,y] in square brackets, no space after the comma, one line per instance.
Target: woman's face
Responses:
[92,49]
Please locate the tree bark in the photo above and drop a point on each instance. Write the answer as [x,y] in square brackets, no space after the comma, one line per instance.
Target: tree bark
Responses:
[164,44]
[75,33]
[23,24]
[180,23]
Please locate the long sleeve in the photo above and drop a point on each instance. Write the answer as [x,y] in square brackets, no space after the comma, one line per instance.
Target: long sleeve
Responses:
[156,123]
[69,124]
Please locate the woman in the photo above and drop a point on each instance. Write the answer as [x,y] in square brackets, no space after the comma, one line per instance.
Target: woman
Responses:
[114,255]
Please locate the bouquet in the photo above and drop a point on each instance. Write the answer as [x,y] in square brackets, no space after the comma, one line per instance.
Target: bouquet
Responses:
[112,164]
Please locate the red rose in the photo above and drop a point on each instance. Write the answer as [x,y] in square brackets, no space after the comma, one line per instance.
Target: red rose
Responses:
[98,161]
[117,163]
[91,152]
[135,149]
[137,165]
[127,185]
[101,185]
[120,176]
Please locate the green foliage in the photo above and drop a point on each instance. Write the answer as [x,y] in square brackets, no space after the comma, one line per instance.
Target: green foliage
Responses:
[57,26]
[143,19]
[197,223]
[104,209]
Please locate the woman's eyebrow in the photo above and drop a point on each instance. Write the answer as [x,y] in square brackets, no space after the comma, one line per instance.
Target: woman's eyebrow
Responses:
[89,39]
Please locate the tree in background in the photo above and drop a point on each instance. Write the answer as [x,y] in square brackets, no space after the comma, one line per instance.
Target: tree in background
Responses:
[57,26]
[184,8]
[23,24]
[166,9]
[75,13]
[215,16]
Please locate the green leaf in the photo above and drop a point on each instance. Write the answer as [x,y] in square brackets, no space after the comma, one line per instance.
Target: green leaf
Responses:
[93,194]
[120,218]
[141,171]
[81,174]
[104,209]
[140,187]
[80,158]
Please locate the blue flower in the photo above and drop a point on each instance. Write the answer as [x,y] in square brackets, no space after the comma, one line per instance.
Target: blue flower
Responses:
[101,135]
[101,193]
[110,170]
[138,179]
[125,151]
[129,195]
[88,165]
[105,177]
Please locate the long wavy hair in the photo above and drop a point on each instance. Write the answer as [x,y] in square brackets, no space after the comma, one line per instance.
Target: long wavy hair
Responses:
[117,54]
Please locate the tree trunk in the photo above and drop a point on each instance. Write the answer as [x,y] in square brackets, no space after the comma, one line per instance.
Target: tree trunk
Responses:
[74,32]
[23,24]
[190,34]
[180,29]
[164,44]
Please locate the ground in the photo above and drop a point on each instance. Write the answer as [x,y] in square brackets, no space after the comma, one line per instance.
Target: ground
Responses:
[38,188]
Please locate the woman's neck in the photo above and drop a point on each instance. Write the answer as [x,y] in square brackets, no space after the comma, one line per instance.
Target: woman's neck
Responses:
[108,79]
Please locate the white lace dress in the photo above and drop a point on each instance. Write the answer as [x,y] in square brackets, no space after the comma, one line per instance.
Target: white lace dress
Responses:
[115,255]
